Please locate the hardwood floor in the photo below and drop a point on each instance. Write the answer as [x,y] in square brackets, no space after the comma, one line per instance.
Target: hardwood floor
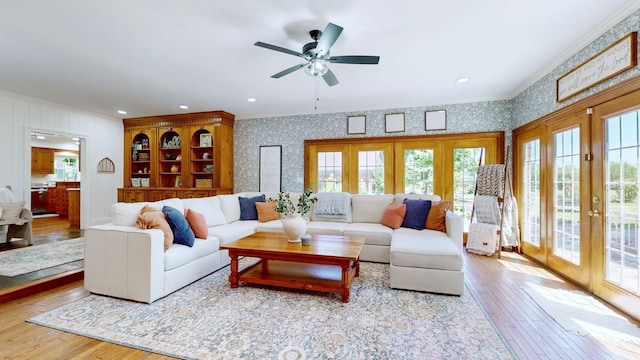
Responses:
[496,283]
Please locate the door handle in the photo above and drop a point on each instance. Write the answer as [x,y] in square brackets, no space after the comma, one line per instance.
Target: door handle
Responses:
[594,213]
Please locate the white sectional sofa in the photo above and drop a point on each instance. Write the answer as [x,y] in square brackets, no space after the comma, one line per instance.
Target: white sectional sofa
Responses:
[124,261]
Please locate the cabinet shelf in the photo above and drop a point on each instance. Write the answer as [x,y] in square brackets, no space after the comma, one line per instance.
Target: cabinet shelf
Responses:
[153,143]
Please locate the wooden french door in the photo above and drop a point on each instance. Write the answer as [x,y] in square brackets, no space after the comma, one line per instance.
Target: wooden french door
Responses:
[615,201]
[568,248]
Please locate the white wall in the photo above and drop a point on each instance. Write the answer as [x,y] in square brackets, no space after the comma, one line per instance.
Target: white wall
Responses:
[102,136]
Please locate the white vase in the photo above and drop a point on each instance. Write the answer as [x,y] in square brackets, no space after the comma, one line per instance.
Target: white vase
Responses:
[294,226]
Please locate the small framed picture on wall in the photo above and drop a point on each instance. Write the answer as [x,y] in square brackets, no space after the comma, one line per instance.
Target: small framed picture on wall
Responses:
[356,124]
[435,120]
[394,122]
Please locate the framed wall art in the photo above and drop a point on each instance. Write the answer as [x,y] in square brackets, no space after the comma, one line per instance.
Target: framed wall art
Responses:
[205,139]
[394,122]
[356,124]
[435,120]
[270,172]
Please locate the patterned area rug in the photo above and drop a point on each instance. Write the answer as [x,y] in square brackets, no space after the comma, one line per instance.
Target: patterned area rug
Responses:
[209,320]
[34,258]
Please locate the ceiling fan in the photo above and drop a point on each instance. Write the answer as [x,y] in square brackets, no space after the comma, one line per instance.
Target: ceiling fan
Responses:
[316,54]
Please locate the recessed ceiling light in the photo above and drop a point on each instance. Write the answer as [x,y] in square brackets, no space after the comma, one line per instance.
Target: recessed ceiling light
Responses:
[75,139]
[184,107]
[251,99]
[122,112]
[41,137]
[462,80]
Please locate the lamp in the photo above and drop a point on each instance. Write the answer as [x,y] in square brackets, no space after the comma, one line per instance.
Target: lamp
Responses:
[316,67]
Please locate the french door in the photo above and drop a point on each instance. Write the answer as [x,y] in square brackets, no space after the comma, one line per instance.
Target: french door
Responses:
[568,186]
[616,180]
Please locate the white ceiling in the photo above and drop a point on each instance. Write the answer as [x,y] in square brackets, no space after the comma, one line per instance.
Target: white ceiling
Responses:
[149,56]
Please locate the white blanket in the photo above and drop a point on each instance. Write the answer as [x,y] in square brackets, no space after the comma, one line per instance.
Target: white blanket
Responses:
[332,205]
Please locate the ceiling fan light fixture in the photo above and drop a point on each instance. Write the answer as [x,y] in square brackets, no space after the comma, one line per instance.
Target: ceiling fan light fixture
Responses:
[317,67]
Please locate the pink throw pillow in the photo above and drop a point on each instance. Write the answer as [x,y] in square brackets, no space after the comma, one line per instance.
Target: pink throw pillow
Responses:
[197,222]
[394,215]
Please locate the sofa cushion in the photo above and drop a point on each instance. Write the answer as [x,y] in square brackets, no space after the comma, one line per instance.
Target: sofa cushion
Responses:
[230,206]
[248,207]
[209,207]
[416,215]
[326,227]
[394,215]
[179,255]
[267,211]
[152,218]
[197,223]
[374,234]
[429,250]
[270,226]
[399,198]
[436,216]
[182,233]
[11,211]
[126,214]
[233,231]
[369,208]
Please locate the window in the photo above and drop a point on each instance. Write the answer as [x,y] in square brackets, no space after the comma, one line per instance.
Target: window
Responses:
[465,169]
[444,165]
[418,171]
[370,172]
[65,166]
[531,192]
[330,171]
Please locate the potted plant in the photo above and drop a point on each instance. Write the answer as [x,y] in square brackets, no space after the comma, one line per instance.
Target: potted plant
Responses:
[293,223]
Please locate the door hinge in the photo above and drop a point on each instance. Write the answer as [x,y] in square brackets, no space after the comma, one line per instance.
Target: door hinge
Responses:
[588,157]
[589,111]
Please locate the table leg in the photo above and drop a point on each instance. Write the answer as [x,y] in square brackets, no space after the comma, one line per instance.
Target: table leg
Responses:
[356,265]
[345,291]
[233,277]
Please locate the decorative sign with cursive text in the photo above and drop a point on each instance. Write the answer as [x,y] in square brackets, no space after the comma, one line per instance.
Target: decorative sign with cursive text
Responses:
[620,56]
[270,168]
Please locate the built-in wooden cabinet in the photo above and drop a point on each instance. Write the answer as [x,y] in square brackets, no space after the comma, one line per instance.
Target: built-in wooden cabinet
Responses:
[182,155]
[42,160]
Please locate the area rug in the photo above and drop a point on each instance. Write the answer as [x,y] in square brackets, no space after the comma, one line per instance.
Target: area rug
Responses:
[581,313]
[209,320]
[33,258]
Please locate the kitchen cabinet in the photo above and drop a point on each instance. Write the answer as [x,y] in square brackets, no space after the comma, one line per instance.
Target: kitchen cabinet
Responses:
[42,160]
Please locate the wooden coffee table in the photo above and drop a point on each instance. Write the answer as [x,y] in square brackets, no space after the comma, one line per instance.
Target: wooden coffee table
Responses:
[329,264]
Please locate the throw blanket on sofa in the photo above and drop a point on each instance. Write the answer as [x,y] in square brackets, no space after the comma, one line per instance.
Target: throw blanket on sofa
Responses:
[332,205]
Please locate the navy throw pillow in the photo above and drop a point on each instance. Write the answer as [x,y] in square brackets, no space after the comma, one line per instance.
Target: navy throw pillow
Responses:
[248,207]
[417,211]
[182,233]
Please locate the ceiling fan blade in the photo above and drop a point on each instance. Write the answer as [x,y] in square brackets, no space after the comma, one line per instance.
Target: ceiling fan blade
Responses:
[278,48]
[328,38]
[355,59]
[287,71]
[330,78]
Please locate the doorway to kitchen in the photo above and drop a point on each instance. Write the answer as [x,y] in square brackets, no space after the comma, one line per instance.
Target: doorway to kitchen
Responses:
[55,177]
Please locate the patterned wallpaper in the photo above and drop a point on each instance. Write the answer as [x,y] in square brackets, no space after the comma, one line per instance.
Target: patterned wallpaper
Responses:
[539,99]
[291,131]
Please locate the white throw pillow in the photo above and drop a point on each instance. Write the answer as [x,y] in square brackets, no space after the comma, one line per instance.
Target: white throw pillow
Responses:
[126,214]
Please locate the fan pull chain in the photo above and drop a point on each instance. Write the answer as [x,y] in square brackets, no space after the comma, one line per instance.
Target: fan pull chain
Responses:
[317,92]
